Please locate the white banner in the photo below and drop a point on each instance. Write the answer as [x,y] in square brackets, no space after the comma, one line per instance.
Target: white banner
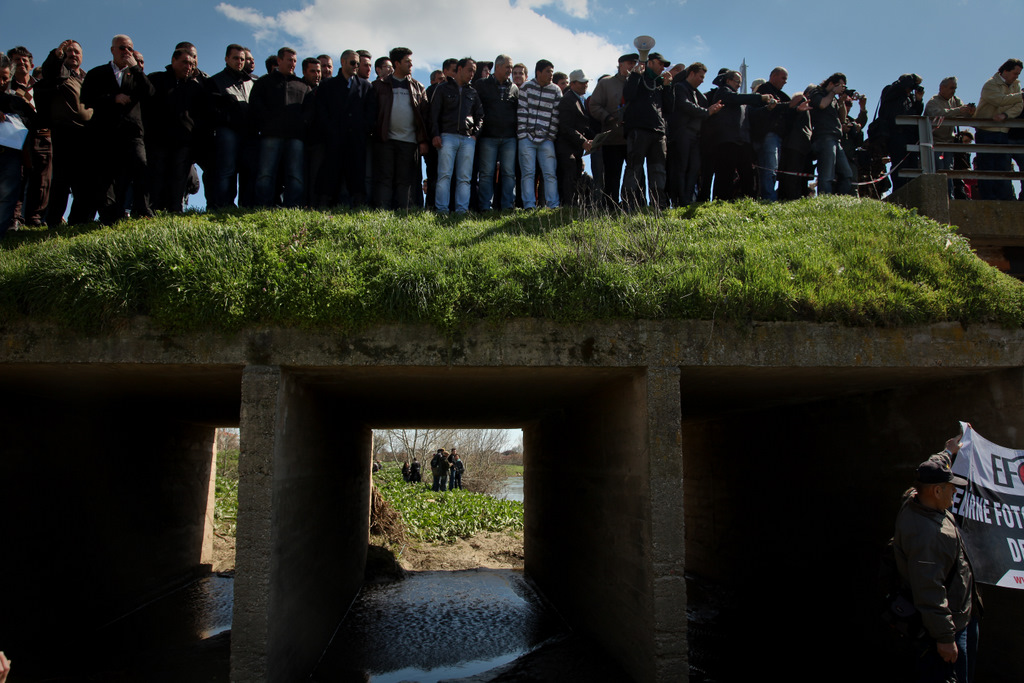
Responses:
[991,509]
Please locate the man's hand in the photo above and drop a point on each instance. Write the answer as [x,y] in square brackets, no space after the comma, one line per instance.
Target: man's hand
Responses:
[437,142]
[715,108]
[424,148]
[953,445]
[5,667]
[587,144]
[122,99]
[63,47]
[947,651]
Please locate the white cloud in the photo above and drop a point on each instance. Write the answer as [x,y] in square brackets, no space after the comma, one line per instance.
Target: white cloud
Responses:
[437,30]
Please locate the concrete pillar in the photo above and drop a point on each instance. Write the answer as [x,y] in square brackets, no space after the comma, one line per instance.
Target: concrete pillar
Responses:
[592,543]
[303,525]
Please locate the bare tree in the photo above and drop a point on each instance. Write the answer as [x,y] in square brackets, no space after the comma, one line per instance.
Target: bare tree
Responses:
[479,450]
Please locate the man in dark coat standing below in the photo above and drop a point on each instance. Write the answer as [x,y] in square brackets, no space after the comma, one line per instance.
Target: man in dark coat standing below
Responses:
[115,91]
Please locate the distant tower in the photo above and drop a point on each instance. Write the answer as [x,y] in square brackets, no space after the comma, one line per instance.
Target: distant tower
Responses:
[743,73]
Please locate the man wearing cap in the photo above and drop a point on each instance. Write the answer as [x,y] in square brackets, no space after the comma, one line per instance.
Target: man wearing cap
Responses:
[574,138]
[932,560]
[606,106]
[648,94]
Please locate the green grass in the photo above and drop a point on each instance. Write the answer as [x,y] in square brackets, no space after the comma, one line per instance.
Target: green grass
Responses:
[513,470]
[829,259]
[435,516]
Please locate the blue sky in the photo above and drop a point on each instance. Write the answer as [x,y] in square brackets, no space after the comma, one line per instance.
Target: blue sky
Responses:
[873,42]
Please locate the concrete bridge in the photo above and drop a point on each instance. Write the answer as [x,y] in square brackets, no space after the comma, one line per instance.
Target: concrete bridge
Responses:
[768,457]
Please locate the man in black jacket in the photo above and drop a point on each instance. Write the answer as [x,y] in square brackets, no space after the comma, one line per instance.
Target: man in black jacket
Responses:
[690,110]
[346,109]
[769,126]
[115,91]
[497,143]
[648,98]
[172,117]
[60,103]
[234,146]
[279,111]
[456,116]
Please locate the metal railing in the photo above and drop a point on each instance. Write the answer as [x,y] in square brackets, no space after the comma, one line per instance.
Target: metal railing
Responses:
[927,145]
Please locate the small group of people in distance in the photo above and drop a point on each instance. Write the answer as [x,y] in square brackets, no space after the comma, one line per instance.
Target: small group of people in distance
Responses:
[123,141]
[446,467]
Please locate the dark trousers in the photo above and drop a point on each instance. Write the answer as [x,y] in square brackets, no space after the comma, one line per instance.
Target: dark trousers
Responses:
[734,171]
[794,167]
[684,167]
[645,145]
[994,189]
[570,172]
[122,162]
[168,166]
[70,176]
[395,177]
[37,179]
[614,157]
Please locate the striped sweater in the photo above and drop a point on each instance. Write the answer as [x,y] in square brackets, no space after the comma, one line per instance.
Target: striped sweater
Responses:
[538,111]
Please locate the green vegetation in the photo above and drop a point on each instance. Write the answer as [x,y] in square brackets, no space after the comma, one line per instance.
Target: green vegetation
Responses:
[437,516]
[857,262]
[226,507]
[513,470]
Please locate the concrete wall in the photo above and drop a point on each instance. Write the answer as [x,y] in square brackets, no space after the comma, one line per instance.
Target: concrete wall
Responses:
[596,538]
[303,525]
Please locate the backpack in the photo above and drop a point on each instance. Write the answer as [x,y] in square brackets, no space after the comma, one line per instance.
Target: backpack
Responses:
[897,608]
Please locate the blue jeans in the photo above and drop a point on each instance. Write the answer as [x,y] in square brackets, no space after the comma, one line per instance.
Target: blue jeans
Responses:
[10,185]
[455,156]
[495,151]
[769,162]
[832,161]
[226,148]
[288,154]
[530,153]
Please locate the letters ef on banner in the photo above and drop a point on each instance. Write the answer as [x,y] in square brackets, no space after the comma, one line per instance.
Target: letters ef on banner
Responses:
[991,509]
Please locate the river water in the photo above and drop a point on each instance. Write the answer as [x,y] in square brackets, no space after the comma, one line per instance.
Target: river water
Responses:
[437,625]
[512,489]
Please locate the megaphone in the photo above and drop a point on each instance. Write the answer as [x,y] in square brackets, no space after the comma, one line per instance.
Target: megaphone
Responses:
[643,45]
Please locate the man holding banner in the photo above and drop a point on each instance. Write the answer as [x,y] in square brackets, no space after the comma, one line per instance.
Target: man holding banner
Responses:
[932,559]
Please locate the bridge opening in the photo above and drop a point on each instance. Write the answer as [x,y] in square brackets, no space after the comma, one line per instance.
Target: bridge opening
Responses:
[304,494]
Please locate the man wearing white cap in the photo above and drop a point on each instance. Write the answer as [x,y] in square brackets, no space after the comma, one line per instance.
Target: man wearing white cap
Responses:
[574,138]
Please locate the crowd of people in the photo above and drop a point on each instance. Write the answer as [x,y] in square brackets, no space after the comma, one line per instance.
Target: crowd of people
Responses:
[120,140]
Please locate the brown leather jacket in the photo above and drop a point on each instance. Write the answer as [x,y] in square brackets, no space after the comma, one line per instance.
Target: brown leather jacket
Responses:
[385,98]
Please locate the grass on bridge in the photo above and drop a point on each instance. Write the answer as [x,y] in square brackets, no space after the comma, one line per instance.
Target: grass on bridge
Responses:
[827,259]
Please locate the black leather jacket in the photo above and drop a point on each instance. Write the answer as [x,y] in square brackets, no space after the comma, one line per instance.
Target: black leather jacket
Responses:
[501,101]
[455,111]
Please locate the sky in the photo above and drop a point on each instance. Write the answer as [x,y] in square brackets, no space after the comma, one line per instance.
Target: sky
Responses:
[871,41]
